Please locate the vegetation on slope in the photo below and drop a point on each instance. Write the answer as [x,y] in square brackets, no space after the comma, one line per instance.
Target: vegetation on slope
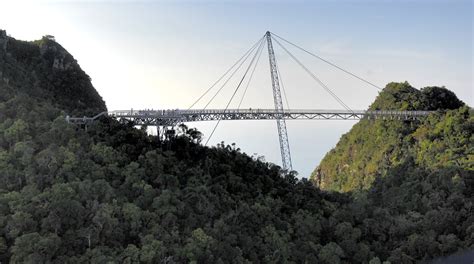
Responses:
[44,69]
[113,194]
[443,140]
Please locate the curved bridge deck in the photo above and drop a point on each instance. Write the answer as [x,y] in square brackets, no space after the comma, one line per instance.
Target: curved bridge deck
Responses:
[173,117]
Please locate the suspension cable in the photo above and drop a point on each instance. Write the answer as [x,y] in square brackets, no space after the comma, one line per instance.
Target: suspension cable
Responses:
[233,73]
[251,75]
[315,77]
[328,62]
[225,73]
[236,89]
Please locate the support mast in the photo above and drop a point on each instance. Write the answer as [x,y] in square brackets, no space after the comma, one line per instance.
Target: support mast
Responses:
[281,124]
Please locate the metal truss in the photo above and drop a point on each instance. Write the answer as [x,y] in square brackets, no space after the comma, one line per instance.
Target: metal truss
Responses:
[175,117]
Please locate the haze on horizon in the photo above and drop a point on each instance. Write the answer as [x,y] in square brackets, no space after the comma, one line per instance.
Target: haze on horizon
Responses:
[166,54]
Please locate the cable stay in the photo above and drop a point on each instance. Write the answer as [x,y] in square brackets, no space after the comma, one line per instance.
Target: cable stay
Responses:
[251,75]
[276,77]
[225,73]
[314,76]
[233,73]
[235,91]
[328,62]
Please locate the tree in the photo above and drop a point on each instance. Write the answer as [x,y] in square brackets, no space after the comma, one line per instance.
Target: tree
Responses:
[17,132]
[34,248]
[198,247]
[331,253]
[152,250]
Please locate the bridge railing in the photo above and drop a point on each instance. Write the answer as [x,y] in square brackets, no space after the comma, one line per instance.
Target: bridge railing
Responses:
[177,112]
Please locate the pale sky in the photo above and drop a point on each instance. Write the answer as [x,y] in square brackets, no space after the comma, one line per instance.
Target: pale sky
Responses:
[165,54]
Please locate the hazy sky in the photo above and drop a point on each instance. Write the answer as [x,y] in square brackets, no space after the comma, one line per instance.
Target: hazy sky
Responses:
[164,54]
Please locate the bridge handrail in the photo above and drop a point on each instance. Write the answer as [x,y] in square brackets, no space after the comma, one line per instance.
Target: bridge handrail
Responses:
[177,112]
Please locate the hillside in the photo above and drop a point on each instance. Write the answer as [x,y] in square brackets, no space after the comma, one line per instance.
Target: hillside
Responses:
[113,194]
[443,141]
[44,69]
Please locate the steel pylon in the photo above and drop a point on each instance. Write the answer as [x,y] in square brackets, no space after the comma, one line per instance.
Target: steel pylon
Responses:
[281,124]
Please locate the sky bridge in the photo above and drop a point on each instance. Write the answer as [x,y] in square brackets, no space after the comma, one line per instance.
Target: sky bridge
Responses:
[174,117]
[167,119]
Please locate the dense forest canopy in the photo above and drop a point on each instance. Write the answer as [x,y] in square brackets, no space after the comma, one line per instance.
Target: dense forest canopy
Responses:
[114,194]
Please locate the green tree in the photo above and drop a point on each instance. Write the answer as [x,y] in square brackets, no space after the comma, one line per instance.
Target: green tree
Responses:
[331,253]
[34,248]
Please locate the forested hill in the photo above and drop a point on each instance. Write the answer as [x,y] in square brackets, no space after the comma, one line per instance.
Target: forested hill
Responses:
[440,144]
[113,194]
[44,69]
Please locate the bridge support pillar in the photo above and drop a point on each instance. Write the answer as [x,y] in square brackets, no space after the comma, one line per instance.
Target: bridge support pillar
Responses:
[281,124]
